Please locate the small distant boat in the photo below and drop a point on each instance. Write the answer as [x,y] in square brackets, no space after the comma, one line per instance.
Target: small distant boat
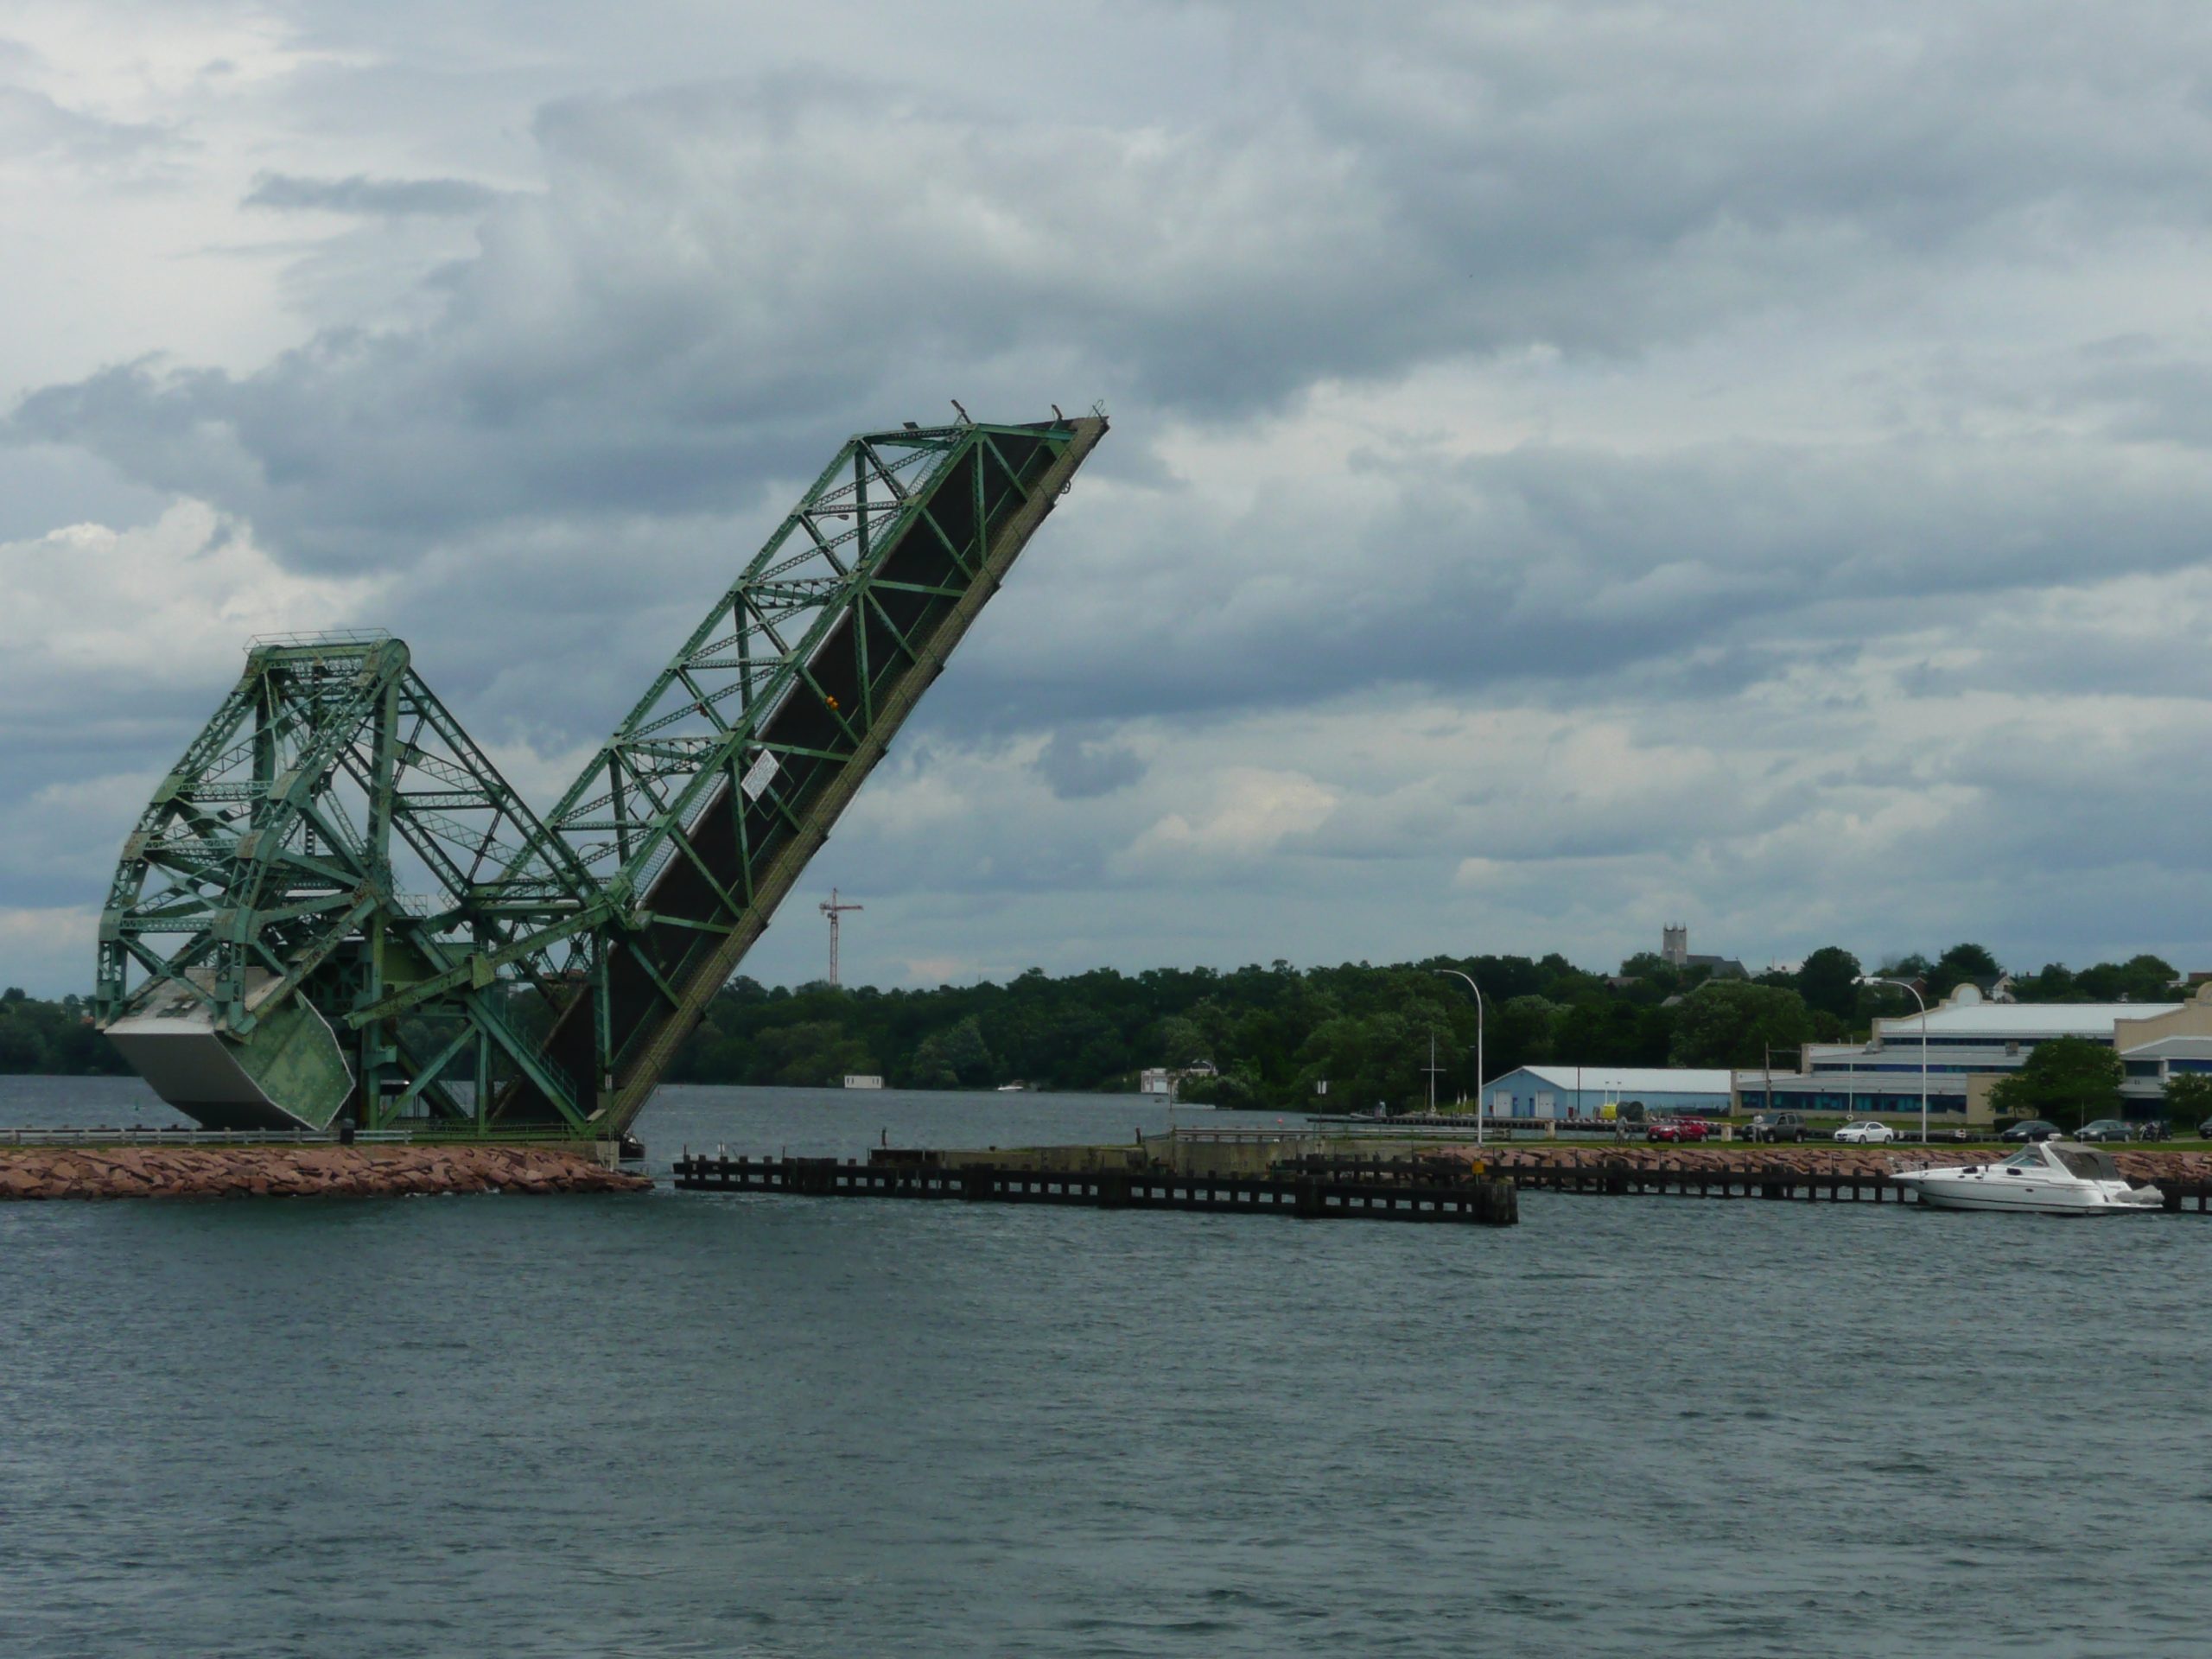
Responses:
[1014,1088]
[2047,1179]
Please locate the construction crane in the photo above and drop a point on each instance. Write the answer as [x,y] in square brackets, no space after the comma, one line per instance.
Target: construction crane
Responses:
[833,909]
[334,907]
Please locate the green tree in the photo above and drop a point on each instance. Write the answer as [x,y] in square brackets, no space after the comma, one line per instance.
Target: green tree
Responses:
[1958,964]
[814,1054]
[956,1057]
[971,1056]
[2067,1081]
[2053,983]
[1829,981]
[1731,1022]
[2139,979]
[2188,1100]
[1366,1060]
[1181,1042]
[1519,1034]
[21,1050]
[1653,969]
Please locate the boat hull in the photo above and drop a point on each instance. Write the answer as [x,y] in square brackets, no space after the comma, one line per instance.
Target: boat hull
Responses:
[1948,1192]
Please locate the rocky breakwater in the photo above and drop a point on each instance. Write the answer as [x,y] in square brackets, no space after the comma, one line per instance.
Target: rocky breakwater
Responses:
[302,1172]
[2139,1164]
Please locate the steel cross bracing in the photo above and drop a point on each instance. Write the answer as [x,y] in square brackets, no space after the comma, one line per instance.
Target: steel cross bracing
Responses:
[331,832]
[699,811]
[333,835]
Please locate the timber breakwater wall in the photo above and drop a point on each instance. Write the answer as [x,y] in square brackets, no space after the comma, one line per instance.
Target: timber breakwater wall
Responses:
[1315,1190]
[302,1172]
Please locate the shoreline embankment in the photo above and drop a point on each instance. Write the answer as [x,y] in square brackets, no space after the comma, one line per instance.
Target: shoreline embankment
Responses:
[401,1171]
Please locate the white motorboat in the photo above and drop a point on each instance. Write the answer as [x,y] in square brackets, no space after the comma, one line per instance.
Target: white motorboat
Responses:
[2046,1179]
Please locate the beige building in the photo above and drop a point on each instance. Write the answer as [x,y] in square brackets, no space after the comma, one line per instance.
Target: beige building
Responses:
[1969,1043]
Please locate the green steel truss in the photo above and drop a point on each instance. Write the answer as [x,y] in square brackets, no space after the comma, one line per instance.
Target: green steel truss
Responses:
[333,835]
[332,832]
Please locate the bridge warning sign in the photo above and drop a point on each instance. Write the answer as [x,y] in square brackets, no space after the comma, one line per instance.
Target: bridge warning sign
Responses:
[760,775]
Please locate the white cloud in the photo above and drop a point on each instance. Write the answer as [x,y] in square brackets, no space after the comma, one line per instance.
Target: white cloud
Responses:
[115,646]
[48,952]
[160,604]
[1250,812]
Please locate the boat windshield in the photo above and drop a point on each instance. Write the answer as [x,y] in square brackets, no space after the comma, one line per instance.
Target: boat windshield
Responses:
[2025,1158]
[2088,1163]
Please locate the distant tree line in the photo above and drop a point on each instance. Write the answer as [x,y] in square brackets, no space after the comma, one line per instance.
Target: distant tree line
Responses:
[1276,1033]
[1273,1033]
[54,1038]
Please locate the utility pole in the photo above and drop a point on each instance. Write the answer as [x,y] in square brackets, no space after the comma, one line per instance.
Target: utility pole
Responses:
[833,909]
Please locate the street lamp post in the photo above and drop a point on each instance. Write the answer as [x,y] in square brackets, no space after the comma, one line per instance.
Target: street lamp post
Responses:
[1907,985]
[1478,990]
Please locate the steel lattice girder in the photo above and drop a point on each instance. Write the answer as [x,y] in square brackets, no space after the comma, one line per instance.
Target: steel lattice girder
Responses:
[702,809]
[267,854]
[264,867]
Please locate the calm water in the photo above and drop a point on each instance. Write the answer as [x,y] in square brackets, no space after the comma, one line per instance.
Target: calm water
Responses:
[730,1425]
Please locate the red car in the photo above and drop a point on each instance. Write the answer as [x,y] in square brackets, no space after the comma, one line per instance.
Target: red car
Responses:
[1678,1129]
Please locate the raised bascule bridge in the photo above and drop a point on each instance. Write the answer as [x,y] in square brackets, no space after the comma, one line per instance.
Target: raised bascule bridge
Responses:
[334,910]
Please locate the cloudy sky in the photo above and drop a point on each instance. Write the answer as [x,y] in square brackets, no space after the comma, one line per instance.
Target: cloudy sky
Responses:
[1574,465]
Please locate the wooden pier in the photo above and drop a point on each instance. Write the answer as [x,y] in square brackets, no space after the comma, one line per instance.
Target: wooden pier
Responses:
[1314,1196]
[1415,1186]
[1691,1181]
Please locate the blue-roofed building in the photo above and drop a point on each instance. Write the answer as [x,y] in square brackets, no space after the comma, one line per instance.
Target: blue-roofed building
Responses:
[1591,1094]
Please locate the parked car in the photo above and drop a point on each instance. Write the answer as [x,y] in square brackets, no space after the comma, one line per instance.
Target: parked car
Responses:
[2105,1128]
[2204,1130]
[2032,1129]
[1774,1126]
[1678,1129]
[1867,1133]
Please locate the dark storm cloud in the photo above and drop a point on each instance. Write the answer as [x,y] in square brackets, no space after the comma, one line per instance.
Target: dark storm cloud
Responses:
[376,198]
[719,279]
[1686,576]
[1080,770]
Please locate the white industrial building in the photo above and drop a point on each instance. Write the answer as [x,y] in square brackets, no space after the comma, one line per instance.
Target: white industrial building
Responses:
[1970,1043]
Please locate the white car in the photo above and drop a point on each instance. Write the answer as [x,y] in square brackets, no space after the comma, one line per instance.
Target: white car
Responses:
[1867,1133]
